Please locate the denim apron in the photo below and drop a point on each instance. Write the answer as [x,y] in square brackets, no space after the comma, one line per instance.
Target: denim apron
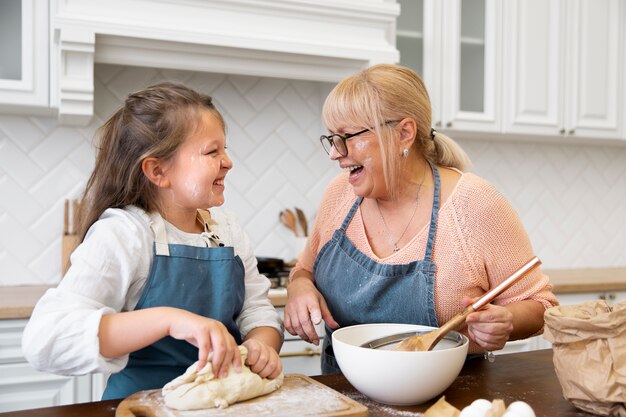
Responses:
[360,290]
[202,280]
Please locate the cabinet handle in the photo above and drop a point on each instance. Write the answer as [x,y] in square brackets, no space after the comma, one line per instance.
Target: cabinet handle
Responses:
[608,296]
[562,131]
[572,131]
[449,124]
[306,352]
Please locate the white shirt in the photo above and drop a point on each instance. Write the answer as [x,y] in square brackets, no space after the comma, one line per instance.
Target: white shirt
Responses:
[108,273]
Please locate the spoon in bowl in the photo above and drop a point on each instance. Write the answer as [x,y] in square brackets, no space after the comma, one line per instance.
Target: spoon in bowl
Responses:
[427,341]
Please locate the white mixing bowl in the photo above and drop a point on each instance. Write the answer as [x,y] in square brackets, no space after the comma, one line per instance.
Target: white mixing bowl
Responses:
[397,377]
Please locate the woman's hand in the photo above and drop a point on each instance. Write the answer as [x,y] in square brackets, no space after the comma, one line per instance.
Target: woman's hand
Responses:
[209,336]
[305,308]
[490,327]
[262,359]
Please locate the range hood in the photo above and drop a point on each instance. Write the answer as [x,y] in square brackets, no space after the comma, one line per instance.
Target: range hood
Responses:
[318,40]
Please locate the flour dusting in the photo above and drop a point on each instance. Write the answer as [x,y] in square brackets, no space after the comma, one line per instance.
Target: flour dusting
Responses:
[299,396]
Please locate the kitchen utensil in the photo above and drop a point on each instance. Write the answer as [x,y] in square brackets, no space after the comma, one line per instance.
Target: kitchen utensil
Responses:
[427,341]
[302,221]
[69,240]
[298,395]
[398,377]
[288,218]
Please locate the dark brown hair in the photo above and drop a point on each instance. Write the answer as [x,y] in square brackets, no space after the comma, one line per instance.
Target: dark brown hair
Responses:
[153,122]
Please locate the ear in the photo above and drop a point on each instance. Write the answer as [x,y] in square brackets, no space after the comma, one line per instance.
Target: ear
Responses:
[154,170]
[408,130]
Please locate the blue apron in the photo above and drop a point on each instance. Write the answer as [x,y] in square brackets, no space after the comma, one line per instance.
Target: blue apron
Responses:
[360,290]
[205,281]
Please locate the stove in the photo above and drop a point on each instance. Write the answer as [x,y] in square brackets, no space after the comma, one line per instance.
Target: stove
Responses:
[276,270]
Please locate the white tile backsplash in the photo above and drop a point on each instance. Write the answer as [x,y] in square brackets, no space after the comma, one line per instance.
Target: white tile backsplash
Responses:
[571,198]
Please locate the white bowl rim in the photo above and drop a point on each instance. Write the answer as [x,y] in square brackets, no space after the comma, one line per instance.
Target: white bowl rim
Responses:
[336,335]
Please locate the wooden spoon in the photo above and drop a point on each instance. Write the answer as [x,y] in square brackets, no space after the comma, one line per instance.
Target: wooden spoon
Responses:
[302,221]
[425,342]
[289,219]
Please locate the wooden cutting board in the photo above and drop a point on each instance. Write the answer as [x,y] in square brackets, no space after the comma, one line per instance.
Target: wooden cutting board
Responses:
[298,396]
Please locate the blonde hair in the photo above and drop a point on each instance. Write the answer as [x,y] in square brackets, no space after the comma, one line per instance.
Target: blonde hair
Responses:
[383,93]
[153,122]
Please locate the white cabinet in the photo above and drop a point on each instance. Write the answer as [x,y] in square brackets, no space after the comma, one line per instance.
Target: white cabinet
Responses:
[524,345]
[611,297]
[21,387]
[563,67]
[551,68]
[455,46]
[24,55]
[300,357]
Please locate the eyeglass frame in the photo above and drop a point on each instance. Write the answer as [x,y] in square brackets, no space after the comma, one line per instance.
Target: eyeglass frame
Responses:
[331,139]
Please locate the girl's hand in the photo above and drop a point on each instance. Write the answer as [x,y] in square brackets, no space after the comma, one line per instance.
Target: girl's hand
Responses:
[209,336]
[262,359]
[490,327]
[305,308]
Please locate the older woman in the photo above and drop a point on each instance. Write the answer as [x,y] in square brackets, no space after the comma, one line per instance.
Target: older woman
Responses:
[404,235]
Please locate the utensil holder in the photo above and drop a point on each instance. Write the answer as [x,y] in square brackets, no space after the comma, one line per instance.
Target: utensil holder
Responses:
[69,240]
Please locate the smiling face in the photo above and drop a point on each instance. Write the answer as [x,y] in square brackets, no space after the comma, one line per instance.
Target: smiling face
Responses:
[196,172]
[363,162]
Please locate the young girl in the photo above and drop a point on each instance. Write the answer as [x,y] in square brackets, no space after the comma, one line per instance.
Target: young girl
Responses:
[157,282]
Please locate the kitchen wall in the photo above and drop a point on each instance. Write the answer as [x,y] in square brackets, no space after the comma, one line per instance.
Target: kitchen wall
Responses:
[571,198]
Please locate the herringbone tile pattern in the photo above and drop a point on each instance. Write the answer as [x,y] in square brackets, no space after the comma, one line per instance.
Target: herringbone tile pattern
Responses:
[572,199]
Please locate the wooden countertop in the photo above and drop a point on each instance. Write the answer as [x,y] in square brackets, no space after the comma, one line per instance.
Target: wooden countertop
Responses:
[567,281]
[537,385]
[18,301]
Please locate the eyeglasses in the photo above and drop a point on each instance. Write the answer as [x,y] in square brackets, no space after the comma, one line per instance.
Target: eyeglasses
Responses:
[339,141]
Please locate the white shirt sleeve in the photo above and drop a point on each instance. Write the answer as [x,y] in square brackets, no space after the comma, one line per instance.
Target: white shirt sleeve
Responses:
[107,274]
[257,309]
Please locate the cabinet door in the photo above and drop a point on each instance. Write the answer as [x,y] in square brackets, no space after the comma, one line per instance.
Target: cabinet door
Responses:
[298,356]
[23,54]
[563,64]
[596,63]
[533,62]
[455,47]
[578,298]
[22,388]
[471,65]
[418,38]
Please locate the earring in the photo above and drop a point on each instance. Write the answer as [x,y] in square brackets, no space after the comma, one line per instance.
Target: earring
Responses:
[405,152]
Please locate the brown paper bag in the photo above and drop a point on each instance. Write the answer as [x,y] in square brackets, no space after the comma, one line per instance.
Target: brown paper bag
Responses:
[589,343]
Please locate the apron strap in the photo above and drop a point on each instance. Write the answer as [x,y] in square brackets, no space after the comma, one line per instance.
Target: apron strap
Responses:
[435,212]
[204,217]
[157,224]
[350,214]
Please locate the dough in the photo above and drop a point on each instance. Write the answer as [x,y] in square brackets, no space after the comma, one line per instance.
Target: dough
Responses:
[202,389]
